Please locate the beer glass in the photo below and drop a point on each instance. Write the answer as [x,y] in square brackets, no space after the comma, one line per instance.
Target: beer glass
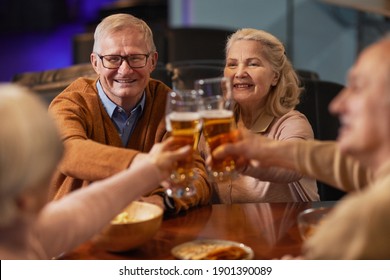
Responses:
[219,126]
[184,124]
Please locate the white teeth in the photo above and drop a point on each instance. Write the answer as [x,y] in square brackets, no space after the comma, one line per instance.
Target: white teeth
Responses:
[242,85]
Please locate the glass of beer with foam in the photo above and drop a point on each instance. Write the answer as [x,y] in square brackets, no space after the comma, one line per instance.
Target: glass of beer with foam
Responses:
[219,126]
[183,123]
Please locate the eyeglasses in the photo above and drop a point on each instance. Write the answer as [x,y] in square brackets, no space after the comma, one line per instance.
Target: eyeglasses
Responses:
[115,61]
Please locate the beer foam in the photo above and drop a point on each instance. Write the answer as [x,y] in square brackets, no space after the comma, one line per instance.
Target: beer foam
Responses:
[217,114]
[183,116]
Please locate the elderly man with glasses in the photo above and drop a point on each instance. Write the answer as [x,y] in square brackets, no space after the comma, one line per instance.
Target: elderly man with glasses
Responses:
[109,124]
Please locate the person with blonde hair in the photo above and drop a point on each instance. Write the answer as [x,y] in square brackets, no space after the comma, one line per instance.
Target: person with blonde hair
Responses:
[109,123]
[358,227]
[266,90]
[30,149]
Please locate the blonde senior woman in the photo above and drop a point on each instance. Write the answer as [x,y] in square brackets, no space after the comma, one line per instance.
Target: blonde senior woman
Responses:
[30,149]
[266,90]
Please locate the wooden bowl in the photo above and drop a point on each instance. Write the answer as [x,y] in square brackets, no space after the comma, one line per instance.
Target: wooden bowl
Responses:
[136,225]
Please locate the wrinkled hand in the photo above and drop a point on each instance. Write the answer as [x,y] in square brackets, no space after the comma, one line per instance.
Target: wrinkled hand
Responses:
[240,162]
[250,149]
[166,153]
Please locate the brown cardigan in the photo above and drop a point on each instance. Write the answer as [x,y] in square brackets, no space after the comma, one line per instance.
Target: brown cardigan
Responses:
[93,147]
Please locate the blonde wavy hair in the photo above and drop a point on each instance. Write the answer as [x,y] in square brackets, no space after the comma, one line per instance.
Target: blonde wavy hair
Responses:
[284,96]
[30,147]
[119,22]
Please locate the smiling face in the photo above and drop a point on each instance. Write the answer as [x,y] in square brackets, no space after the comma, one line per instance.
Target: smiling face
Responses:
[124,86]
[364,107]
[250,72]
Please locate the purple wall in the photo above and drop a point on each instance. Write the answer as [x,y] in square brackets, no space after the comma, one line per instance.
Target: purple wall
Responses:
[44,43]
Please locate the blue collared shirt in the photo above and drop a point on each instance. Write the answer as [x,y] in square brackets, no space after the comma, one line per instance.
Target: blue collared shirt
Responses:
[124,123]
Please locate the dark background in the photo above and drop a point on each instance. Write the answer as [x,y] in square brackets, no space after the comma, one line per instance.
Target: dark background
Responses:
[37,35]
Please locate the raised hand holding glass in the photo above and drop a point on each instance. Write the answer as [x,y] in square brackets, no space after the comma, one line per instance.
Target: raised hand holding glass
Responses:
[183,123]
[219,126]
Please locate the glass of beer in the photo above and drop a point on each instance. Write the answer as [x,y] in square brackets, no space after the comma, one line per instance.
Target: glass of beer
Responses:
[219,126]
[183,124]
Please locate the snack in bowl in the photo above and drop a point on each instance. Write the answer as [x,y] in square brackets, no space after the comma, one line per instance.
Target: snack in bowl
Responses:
[134,226]
[210,249]
[123,218]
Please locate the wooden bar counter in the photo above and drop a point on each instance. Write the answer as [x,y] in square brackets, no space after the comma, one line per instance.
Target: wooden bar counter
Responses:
[270,229]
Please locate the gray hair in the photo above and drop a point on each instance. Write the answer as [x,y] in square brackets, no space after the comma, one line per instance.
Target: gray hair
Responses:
[284,96]
[119,22]
[30,146]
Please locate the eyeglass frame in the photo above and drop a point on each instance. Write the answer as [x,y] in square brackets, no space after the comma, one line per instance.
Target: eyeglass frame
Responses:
[124,58]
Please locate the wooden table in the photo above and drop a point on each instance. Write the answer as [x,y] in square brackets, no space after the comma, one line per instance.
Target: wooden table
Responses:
[270,229]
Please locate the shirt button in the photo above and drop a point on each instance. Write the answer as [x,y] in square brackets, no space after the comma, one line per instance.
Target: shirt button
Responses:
[127,124]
